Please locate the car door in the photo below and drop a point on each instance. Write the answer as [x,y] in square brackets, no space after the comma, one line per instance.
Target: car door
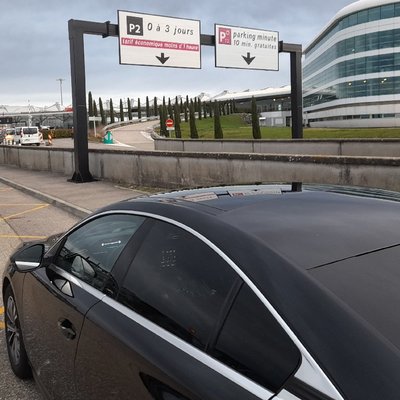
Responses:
[57,297]
[158,339]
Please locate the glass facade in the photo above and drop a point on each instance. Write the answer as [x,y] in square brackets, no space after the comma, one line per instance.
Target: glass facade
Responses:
[358,88]
[360,17]
[354,45]
[363,65]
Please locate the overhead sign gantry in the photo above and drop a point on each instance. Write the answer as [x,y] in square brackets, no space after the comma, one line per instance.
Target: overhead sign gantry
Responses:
[155,40]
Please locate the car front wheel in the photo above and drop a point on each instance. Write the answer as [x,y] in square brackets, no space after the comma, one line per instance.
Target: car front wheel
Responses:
[15,344]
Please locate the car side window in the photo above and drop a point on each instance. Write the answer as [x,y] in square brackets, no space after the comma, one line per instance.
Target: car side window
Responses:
[178,282]
[253,343]
[91,251]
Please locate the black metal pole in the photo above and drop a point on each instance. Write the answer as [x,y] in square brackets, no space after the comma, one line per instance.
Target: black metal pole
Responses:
[76,30]
[297,95]
[296,83]
[78,85]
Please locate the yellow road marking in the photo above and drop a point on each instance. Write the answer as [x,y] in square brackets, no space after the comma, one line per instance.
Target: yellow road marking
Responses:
[21,237]
[21,205]
[25,212]
[2,326]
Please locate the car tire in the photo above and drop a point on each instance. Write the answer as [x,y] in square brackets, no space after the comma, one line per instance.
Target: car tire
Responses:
[14,341]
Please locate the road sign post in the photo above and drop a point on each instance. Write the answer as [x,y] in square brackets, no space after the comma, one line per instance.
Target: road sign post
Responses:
[94,119]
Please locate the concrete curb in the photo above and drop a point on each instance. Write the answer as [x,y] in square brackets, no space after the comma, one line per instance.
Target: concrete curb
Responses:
[68,207]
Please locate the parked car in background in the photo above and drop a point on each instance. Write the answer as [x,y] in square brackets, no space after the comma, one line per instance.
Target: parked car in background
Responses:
[241,293]
[30,135]
[12,136]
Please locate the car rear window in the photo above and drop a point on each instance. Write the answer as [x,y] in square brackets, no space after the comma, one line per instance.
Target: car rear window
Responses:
[30,131]
[369,284]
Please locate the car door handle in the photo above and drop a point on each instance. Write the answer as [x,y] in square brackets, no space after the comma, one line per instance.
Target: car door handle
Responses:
[67,329]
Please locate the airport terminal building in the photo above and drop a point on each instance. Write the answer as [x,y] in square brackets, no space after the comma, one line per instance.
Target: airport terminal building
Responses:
[351,70]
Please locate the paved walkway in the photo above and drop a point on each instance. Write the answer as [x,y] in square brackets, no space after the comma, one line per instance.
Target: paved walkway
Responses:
[79,199]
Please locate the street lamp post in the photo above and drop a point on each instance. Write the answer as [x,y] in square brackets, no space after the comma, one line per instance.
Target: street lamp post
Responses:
[61,81]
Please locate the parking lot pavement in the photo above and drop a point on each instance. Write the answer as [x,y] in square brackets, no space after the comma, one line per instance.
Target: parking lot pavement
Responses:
[22,218]
[77,198]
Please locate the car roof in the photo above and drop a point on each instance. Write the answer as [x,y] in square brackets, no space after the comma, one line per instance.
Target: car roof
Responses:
[314,227]
[279,238]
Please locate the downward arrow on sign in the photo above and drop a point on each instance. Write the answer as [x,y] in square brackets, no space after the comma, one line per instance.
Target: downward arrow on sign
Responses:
[162,58]
[248,59]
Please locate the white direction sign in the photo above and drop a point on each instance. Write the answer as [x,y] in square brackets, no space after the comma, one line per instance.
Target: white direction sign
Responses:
[146,39]
[246,48]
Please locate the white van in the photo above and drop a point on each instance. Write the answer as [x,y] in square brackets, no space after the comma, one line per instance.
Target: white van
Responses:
[30,135]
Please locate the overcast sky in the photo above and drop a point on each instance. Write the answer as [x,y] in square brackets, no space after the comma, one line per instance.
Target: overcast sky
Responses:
[34,47]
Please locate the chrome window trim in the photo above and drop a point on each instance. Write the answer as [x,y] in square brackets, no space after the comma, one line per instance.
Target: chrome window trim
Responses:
[199,355]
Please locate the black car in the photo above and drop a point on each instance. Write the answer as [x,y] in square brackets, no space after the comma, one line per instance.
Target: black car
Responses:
[241,293]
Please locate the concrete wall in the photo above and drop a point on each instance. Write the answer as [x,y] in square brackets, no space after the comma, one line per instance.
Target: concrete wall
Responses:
[344,147]
[188,169]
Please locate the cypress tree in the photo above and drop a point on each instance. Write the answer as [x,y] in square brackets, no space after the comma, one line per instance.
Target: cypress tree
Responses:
[210,108]
[254,119]
[90,104]
[218,133]
[193,128]
[155,106]
[147,107]
[95,113]
[129,110]
[90,111]
[176,104]
[170,112]
[178,132]
[165,114]
[181,109]
[102,113]
[199,105]
[139,109]
[121,110]
[205,110]
[163,127]
[187,104]
[112,117]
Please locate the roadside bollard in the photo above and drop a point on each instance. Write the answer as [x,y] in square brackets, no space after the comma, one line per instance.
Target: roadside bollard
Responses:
[49,139]
[108,138]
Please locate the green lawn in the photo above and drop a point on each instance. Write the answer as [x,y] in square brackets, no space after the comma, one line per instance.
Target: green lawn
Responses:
[235,128]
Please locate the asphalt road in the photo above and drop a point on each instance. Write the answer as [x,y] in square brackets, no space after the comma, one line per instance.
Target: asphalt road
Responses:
[22,218]
[134,137]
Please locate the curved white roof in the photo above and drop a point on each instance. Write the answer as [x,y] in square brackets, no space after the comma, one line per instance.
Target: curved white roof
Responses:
[350,9]
[246,94]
